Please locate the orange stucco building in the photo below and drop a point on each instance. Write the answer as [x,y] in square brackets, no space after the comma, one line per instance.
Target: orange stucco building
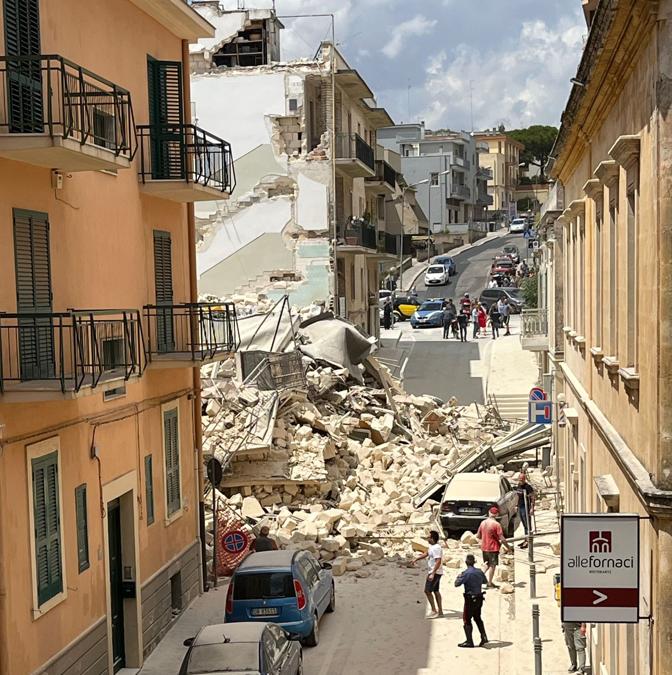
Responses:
[101,335]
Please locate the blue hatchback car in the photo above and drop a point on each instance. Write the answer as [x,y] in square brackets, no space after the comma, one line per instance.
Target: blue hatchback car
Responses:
[290,588]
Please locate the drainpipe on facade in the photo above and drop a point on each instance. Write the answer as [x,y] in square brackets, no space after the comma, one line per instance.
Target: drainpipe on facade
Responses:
[196,372]
[663,472]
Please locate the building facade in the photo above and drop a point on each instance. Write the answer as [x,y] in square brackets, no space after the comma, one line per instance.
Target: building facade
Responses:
[100,339]
[607,288]
[308,219]
[501,154]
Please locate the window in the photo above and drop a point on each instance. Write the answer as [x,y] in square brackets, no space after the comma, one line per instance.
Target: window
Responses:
[171,445]
[434,181]
[582,276]
[293,105]
[81,519]
[598,272]
[613,276]
[149,489]
[47,524]
[632,204]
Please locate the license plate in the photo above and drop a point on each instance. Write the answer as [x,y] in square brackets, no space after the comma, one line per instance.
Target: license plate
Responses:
[265,611]
[470,510]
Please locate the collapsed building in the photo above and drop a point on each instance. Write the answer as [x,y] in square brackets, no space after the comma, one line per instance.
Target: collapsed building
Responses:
[316,210]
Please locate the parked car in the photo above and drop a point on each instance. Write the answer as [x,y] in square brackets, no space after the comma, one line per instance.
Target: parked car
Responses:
[512,251]
[518,225]
[405,306]
[469,496]
[290,588]
[448,262]
[515,296]
[503,266]
[252,647]
[429,314]
[437,275]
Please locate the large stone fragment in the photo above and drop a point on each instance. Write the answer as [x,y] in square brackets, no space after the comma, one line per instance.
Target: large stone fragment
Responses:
[419,545]
[506,589]
[469,539]
[339,566]
[251,508]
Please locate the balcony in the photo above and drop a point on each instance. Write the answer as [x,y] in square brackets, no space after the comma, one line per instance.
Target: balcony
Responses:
[354,156]
[534,330]
[50,355]
[385,180]
[59,115]
[358,236]
[190,334]
[183,163]
[458,191]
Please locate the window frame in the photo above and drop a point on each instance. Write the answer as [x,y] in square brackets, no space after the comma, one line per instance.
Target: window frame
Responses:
[177,513]
[37,451]
[150,513]
[83,564]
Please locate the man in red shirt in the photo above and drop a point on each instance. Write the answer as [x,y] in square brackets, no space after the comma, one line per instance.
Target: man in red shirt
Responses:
[492,539]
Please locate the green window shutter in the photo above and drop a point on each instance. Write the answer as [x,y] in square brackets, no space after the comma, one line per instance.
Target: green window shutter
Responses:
[149,490]
[48,561]
[82,521]
[163,282]
[172,451]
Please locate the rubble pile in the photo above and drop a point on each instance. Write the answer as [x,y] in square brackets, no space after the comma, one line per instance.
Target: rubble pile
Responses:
[335,468]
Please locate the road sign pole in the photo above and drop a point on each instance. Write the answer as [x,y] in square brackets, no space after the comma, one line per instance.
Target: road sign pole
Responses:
[214,536]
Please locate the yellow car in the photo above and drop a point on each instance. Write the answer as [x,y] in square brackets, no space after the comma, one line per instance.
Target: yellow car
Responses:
[405,306]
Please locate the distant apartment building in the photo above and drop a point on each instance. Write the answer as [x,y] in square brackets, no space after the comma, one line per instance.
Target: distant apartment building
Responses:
[603,330]
[445,169]
[501,155]
[101,335]
[308,218]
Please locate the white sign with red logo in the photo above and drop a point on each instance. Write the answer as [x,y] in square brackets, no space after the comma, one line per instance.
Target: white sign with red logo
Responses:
[600,568]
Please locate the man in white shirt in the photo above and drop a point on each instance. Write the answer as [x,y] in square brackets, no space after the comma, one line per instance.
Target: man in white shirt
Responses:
[434,557]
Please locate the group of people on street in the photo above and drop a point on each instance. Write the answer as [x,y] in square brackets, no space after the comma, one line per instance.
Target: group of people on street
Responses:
[492,540]
[456,321]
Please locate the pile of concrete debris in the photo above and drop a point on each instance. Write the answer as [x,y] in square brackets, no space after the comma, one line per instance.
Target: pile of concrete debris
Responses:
[334,466]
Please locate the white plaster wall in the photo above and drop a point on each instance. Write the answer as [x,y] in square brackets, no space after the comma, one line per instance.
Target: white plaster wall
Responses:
[312,208]
[226,26]
[241,228]
[234,106]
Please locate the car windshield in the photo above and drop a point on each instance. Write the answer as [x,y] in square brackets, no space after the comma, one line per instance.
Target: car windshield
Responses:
[225,657]
[431,307]
[435,269]
[476,490]
[504,263]
[510,249]
[258,585]
[515,293]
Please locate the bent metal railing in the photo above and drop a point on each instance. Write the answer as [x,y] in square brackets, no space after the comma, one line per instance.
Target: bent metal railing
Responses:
[197,331]
[69,350]
[50,94]
[185,152]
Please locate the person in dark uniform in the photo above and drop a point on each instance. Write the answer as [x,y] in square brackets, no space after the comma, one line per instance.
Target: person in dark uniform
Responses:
[473,581]
[387,314]
[263,542]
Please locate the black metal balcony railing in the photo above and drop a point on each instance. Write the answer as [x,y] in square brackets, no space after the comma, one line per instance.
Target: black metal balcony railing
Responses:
[388,243]
[460,191]
[194,331]
[185,152]
[50,94]
[69,350]
[389,175]
[353,146]
[359,232]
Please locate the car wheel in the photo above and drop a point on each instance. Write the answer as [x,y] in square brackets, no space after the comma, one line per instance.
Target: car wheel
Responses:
[398,316]
[331,607]
[299,670]
[313,639]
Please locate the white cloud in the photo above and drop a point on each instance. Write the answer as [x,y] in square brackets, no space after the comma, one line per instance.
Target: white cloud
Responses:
[418,25]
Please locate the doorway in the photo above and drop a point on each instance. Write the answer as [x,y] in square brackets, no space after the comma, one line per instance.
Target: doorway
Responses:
[116,585]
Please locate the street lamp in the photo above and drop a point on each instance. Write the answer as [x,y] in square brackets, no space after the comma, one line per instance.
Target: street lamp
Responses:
[429,208]
[401,235]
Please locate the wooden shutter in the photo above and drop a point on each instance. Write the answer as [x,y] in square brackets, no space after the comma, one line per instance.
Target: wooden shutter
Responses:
[82,520]
[149,490]
[33,293]
[172,452]
[24,78]
[163,282]
[46,516]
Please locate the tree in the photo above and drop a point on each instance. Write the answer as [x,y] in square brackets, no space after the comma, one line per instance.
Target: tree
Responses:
[530,289]
[538,141]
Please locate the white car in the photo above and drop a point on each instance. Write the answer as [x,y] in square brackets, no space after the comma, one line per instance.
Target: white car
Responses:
[518,225]
[436,275]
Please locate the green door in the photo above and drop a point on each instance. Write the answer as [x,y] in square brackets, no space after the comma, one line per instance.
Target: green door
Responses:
[24,77]
[116,585]
[163,283]
[33,294]
[166,119]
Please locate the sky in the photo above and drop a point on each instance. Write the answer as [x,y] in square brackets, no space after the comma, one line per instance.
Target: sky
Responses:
[431,60]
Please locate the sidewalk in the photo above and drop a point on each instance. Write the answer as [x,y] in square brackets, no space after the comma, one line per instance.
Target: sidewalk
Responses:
[411,275]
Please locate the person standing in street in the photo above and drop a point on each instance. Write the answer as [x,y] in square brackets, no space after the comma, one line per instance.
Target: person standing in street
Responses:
[504,312]
[474,320]
[462,321]
[473,581]
[448,318]
[482,319]
[575,639]
[434,555]
[495,318]
[465,304]
[526,498]
[263,542]
[387,314]
[491,536]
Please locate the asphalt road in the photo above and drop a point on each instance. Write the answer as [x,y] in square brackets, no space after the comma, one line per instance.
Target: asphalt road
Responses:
[446,368]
